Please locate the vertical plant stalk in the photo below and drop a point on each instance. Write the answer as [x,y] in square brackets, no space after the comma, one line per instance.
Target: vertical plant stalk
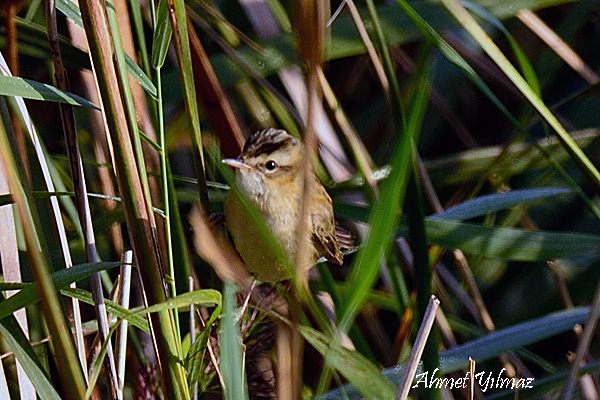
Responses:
[398,110]
[419,346]
[582,346]
[134,200]
[311,35]
[11,9]
[423,270]
[121,340]
[231,360]
[193,332]
[147,157]
[56,213]
[81,197]
[164,174]
[11,271]
[416,216]
[182,48]
[423,275]
[71,374]
[97,127]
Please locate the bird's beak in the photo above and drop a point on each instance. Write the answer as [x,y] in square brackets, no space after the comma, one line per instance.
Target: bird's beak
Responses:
[236,163]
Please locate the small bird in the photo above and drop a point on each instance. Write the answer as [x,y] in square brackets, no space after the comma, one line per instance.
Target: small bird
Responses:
[269,170]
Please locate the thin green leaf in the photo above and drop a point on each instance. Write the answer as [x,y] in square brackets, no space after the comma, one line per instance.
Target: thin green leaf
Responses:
[70,10]
[194,361]
[11,332]
[26,88]
[385,214]
[140,76]
[114,308]
[526,67]
[355,367]
[452,55]
[278,51]
[231,349]
[181,42]
[64,349]
[205,297]
[61,279]
[510,243]
[33,41]
[97,367]
[162,35]
[486,43]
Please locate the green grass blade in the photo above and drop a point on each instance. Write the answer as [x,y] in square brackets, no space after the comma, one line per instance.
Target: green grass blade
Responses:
[452,55]
[26,88]
[382,222]
[230,341]
[114,308]
[162,35]
[510,243]
[97,367]
[510,338]
[486,43]
[278,50]
[474,164]
[138,23]
[194,362]
[544,385]
[416,215]
[397,106]
[186,74]
[385,214]
[140,76]
[71,11]
[61,280]
[526,67]
[19,344]
[204,297]
[355,367]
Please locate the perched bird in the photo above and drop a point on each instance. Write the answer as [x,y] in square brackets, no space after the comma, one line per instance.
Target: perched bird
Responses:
[269,171]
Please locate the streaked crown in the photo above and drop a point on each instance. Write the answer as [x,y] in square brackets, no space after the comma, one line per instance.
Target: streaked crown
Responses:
[269,142]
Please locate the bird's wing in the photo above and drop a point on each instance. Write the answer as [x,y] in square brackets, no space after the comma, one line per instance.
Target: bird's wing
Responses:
[346,239]
[325,240]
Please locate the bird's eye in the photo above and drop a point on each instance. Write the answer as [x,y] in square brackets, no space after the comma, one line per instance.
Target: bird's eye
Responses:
[271,165]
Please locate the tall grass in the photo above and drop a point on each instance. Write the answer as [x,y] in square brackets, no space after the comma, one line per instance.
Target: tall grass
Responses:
[457,145]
